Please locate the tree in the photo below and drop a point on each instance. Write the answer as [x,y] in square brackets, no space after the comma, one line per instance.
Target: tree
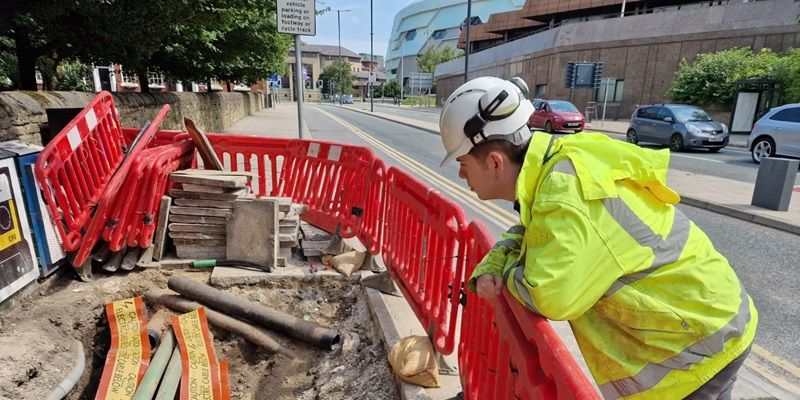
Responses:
[74,75]
[339,74]
[391,88]
[713,77]
[427,61]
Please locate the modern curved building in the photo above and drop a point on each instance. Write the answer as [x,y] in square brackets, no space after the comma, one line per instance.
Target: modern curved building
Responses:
[427,23]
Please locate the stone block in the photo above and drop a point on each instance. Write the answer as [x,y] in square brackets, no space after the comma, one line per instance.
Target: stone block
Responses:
[197,219]
[200,252]
[203,203]
[251,232]
[201,211]
[160,235]
[199,228]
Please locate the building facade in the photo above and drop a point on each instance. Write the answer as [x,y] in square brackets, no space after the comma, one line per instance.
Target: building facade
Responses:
[433,23]
[641,52]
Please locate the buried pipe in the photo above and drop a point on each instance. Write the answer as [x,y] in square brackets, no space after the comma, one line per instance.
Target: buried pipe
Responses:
[172,377]
[147,387]
[74,375]
[254,334]
[307,331]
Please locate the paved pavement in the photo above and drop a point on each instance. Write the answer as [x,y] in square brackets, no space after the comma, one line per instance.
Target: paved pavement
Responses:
[725,196]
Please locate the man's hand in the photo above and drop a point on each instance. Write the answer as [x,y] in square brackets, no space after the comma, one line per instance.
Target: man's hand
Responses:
[489,286]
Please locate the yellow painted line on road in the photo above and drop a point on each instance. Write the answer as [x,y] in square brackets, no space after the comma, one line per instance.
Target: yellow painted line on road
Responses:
[785,365]
[502,217]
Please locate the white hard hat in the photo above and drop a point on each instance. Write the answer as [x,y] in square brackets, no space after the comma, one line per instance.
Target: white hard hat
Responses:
[484,109]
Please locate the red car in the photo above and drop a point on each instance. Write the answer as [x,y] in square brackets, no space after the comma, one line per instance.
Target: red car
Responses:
[555,116]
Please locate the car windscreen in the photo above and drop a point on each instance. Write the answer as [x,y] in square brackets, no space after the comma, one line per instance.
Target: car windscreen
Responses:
[562,106]
[689,114]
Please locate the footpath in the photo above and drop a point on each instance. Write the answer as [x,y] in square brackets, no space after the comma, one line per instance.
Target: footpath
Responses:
[396,319]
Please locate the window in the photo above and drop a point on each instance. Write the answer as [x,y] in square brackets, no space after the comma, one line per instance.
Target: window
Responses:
[540,91]
[787,115]
[647,112]
[614,88]
[663,113]
[438,34]
[155,79]
[129,80]
[475,20]
[410,35]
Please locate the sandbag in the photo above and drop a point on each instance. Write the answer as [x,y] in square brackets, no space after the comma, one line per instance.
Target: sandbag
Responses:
[414,361]
[345,263]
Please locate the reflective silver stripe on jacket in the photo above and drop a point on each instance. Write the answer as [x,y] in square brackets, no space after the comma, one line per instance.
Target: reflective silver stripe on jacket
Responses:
[519,283]
[512,243]
[665,251]
[652,374]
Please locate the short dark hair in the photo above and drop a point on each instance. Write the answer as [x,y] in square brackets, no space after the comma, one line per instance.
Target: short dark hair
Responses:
[516,153]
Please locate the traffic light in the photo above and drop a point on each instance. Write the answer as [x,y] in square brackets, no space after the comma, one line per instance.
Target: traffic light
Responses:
[598,74]
[569,78]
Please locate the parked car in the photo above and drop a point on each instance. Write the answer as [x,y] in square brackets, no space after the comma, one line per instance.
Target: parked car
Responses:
[347,99]
[555,116]
[776,133]
[679,126]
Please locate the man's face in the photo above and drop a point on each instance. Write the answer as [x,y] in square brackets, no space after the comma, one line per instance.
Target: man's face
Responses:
[479,176]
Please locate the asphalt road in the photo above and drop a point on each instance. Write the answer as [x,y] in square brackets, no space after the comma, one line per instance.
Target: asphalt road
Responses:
[765,259]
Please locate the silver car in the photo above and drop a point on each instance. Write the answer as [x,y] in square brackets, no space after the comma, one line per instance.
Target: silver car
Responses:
[679,126]
[776,133]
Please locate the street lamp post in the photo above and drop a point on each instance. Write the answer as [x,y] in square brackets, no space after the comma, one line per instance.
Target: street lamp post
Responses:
[339,29]
[466,53]
[371,59]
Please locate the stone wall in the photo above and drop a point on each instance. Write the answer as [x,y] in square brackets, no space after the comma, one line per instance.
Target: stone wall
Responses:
[23,115]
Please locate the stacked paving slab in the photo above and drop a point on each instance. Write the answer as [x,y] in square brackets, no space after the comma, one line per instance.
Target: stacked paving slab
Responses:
[202,202]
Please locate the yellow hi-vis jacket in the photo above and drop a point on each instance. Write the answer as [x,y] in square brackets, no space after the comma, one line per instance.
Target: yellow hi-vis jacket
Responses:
[655,309]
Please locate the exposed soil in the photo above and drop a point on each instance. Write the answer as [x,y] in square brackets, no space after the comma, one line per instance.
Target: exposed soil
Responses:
[36,334]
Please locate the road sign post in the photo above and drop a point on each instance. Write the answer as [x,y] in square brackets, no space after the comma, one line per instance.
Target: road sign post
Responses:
[298,17]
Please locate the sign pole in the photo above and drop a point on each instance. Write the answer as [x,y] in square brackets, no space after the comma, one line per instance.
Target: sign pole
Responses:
[298,84]
[297,17]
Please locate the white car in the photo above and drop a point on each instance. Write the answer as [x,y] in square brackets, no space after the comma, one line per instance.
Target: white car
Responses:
[776,133]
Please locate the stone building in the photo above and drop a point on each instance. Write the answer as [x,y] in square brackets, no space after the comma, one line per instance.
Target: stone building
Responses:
[641,47]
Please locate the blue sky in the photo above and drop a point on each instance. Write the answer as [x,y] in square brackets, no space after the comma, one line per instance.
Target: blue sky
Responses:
[355,24]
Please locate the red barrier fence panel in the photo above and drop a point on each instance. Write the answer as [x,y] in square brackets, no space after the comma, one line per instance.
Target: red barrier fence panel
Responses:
[104,208]
[421,250]
[75,167]
[332,180]
[508,352]
[264,157]
[372,230]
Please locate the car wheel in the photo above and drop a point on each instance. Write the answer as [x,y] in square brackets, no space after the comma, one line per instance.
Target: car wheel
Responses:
[632,137]
[764,147]
[548,127]
[676,142]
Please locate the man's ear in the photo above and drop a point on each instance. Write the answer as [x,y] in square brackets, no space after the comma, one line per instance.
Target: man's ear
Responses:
[497,162]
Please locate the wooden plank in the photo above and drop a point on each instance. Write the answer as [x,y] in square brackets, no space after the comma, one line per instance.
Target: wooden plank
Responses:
[206,212]
[191,187]
[184,194]
[210,172]
[198,219]
[197,235]
[199,228]
[160,235]
[204,203]
[251,232]
[210,159]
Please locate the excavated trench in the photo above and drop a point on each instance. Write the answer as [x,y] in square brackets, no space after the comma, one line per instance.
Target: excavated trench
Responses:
[37,333]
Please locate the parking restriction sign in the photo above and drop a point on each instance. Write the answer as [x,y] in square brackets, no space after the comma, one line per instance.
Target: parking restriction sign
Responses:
[298,17]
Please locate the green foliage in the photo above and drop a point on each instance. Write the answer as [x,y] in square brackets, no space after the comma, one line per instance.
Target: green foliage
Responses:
[789,76]
[420,101]
[391,88]
[74,75]
[713,77]
[427,61]
[233,40]
[9,78]
[339,74]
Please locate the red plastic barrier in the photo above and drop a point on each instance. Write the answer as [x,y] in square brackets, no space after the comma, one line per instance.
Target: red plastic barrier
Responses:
[372,228]
[132,220]
[240,152]
[422,251]
[507,352]
[104,208]
[76,166]
[332,180]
